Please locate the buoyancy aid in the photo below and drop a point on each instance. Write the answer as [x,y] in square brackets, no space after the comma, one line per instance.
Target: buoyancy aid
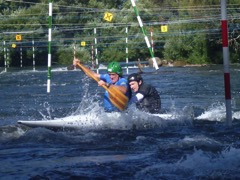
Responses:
[151,101]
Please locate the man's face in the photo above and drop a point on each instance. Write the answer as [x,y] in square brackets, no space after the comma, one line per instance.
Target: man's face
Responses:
[114,77]
[134,86]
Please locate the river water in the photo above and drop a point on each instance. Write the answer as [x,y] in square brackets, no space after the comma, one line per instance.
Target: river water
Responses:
[194,142]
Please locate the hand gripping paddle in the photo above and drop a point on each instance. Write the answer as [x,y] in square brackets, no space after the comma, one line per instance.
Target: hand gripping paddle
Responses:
[117,98]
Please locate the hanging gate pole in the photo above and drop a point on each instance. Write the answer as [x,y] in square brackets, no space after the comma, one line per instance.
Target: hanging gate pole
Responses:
[49,45]
[226,62]
[144,33]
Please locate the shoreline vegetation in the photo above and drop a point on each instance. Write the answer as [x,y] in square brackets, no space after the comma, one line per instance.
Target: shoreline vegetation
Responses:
[175,30]
[169,63]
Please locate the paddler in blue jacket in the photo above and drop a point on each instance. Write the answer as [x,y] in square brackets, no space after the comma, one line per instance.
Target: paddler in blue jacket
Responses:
[113,77]
[146,96]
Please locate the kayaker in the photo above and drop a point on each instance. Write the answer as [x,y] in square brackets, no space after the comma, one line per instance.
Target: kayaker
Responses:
[113,77]
[146,96]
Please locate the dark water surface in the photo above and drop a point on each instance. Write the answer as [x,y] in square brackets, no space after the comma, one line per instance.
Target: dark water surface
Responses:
[193,143]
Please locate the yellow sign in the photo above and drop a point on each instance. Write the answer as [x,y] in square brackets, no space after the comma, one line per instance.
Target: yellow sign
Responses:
[83,43]
[164,28]
[14,45]
[108,16]
[18,37]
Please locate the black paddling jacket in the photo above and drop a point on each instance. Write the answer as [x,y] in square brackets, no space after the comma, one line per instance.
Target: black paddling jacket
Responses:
[151,102]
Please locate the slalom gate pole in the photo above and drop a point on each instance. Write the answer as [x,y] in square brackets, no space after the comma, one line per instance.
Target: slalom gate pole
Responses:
[127,48]
[226,62]
[33,50]
[49,45]
[92,53]
[152,43]
[96,49]
[144,33]
[5,55]
[74,53]
[8,55]
[21,54]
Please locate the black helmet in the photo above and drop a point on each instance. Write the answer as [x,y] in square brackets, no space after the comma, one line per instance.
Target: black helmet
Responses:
[134,77]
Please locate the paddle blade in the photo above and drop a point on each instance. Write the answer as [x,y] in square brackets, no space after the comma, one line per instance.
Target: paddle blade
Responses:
[117,98]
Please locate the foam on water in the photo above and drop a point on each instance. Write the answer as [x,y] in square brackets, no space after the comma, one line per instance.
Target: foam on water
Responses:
[197,165]
[96,118]
[216,112]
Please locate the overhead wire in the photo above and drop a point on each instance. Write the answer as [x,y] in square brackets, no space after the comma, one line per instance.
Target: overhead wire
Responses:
[64,27]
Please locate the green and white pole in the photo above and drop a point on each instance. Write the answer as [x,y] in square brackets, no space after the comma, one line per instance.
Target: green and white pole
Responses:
[127,48]
[49,45]
[144,33]
[96,49]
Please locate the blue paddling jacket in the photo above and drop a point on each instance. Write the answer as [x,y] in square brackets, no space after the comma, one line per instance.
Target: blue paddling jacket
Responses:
[108,106]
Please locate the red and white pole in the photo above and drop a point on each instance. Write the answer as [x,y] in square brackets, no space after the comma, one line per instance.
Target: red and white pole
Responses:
[226,62]
[93,66]
[74,54]
[151,33]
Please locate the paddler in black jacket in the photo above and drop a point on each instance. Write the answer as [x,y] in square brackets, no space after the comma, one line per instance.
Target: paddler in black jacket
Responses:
[146,96]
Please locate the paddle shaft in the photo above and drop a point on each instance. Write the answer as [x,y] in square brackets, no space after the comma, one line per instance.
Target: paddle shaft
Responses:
[90,74]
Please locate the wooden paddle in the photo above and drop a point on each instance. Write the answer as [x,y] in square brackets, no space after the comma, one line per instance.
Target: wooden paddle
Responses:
[117,98]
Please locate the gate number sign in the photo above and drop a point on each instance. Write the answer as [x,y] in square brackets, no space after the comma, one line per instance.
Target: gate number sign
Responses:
[18,37]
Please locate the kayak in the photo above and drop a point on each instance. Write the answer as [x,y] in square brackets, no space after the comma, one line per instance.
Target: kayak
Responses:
[70,122]
[59,123]
[88,121]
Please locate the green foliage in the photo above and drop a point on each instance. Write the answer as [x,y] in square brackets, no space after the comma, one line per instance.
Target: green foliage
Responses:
[66,54]
[194,31]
